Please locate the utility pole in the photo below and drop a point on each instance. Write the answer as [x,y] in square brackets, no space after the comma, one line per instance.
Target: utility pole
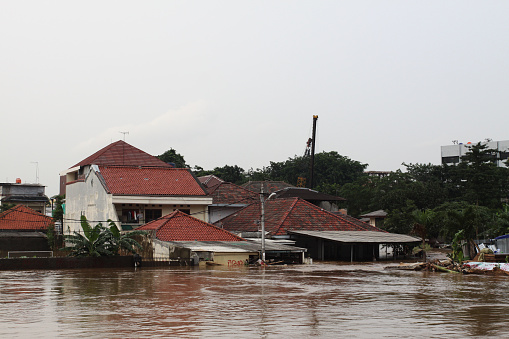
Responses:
[262,222]
[313,141]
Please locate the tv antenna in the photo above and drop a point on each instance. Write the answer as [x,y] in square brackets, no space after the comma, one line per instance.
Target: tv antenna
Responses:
[36,171]
[124,133]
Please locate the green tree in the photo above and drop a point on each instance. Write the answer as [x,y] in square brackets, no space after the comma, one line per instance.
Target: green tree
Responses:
[6,206]
[101,241]
[332,170]
[478,179]
[94,242]
[171,156]
[234,174]
[123,242]
[58,208]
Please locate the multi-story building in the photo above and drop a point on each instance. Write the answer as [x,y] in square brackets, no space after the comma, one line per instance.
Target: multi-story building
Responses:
[30,195]
[451,154]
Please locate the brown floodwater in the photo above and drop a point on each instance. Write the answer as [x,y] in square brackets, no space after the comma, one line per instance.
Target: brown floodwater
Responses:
[322,300]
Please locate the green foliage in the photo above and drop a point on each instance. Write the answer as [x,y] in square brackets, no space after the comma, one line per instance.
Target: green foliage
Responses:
[58,208]
[6,206]
[233,174]
[123,242]
[171,156]
[332,170]
[457,251]
[100,241]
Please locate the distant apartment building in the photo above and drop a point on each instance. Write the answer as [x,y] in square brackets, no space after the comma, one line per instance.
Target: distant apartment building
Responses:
[451,154]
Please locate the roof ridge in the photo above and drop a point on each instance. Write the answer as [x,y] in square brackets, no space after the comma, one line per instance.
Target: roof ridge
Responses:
[366,226]
[287,213]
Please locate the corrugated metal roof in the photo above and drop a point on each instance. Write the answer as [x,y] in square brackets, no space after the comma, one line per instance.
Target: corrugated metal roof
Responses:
[234,246]
[359,236]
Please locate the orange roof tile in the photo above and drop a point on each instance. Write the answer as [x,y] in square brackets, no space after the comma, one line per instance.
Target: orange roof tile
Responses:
[22,218]
[179,226]
[124,180]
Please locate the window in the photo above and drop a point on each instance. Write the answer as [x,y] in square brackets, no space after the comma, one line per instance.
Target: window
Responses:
[153,214]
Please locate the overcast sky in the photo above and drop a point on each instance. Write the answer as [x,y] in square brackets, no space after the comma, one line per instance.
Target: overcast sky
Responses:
[238,82]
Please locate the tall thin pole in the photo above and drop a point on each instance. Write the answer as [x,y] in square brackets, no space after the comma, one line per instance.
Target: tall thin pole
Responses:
[315,117]
[262,222]
[36,171]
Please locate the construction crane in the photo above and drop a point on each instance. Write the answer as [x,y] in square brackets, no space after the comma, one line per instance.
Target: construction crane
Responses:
[310,151]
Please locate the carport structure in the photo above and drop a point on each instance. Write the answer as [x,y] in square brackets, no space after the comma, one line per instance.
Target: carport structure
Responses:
[349,245]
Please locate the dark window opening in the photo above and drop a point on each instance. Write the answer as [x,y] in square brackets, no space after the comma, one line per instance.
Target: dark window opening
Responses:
[153,214]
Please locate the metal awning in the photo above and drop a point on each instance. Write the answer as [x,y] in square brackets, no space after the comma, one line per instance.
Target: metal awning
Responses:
[235,246]
[359,236]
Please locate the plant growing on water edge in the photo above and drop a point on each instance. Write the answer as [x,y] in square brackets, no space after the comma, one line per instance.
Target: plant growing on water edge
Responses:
[100,241]
[124,241]
[94,242]
[457,251]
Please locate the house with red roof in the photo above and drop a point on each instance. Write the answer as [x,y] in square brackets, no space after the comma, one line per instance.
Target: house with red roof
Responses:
[227,198]
[326,235]
[181,237]
[130,187]
[23,229]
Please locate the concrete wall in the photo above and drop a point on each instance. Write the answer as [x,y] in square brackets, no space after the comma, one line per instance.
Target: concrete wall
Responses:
[232,259]
[87,198]
[66,263]
[219,212]
[22,189]
[24,243]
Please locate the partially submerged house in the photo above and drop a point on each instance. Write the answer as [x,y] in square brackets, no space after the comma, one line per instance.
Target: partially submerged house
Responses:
[326,201]
[227,198]
[268,186]
[130,187]
[210,181]
[23,229]
[30,195]
[313,228]
[183,238]
[375,218]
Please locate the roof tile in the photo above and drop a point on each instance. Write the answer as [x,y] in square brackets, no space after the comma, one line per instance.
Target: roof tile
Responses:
[179,226]
[23,218]
[124,180]
[228,193]
[122,154]
[282,215]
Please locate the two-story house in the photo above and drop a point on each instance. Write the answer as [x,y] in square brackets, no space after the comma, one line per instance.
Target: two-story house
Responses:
[130,187]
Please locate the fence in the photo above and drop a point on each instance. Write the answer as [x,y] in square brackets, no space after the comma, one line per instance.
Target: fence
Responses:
[29,254]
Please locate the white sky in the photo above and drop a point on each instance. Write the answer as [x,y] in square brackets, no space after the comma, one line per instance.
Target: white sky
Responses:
[237,82]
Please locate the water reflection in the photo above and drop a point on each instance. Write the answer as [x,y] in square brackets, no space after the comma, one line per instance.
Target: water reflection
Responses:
[326,300]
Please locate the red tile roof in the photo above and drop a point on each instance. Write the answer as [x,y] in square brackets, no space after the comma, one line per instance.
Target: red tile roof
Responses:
[282,215]
[22,218]
[210,181]
[121,153]
[179,226]
[268,186]
[124,180]
[228,193]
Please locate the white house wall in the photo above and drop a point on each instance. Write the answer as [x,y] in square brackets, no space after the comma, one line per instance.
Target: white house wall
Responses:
[87,198]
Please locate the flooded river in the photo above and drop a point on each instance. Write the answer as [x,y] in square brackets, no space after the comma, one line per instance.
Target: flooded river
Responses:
[322,300]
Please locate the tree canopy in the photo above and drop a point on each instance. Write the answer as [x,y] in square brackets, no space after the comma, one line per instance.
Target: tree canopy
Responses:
[171,156]
[440,193]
